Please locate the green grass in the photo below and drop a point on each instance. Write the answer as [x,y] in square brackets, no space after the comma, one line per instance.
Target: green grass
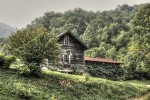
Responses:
[148,97]
[60,86]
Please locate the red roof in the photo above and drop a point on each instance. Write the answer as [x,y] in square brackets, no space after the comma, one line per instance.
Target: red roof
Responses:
[101,60]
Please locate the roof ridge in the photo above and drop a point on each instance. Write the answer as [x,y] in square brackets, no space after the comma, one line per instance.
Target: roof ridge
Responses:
[74,37]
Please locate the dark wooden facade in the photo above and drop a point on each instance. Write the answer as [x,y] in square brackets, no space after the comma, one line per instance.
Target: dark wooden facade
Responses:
[72,50]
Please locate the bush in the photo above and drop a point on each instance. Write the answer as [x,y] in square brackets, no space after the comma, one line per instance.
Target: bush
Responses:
[77,69]
[6,61]
[35,70]
[54,69]
[133,71]
[147,75]
[9,60]
[1,60]
[32,46]
[87,76]
[110,71]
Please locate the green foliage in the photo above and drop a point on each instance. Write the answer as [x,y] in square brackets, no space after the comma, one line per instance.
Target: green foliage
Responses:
[60,86]
[76,69]
[9,60]
[90,37]
[54,69]
[32,46]
[110,71]
[2,59]
[87,76]
[138,58]
[2,45]
[148,97]
[6,61]
[109,34]
[96,52]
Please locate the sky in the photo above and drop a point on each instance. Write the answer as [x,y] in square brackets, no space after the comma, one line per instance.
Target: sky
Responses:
[19,13]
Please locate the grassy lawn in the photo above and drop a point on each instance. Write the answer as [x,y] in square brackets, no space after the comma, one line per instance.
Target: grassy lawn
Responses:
[146,82]
[148,97]
[60,86]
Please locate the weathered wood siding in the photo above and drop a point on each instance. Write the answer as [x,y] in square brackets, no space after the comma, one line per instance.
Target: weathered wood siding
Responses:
[75,48]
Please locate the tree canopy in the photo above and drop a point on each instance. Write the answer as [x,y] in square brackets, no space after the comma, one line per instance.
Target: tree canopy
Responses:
[139,48]
[32,46]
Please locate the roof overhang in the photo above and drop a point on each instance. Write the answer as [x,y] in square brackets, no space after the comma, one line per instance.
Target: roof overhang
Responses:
[102,60]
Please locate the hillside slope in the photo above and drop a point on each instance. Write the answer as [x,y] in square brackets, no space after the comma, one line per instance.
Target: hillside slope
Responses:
[6,30]
[58,86]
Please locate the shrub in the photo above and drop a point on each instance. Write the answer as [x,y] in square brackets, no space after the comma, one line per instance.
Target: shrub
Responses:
[1,60]
[76,69]
[134,72]
[147,75]
[87,76]
[6,61]
[35,69]
[110,71]
[9,60]
[54,69]
[32,46]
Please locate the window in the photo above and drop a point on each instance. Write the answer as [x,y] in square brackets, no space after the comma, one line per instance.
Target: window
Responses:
[66,40]
[66,58]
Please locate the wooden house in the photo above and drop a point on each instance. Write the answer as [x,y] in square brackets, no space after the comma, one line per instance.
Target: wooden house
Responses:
[72,54]
[72,50]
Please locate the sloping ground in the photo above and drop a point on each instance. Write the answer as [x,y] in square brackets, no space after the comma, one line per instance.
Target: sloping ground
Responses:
[144,97]
[147,97]
[59,86]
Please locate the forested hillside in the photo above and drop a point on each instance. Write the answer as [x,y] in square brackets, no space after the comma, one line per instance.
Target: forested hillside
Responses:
[121,34]
[107,33]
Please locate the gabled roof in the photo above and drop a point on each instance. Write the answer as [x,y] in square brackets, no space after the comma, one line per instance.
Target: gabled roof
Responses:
[68,32]
[101,60]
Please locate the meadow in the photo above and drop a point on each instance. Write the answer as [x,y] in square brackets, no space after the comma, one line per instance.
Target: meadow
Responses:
[61,86]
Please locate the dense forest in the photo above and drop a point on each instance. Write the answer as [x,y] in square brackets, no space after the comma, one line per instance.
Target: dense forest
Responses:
[106,33]
[121,34]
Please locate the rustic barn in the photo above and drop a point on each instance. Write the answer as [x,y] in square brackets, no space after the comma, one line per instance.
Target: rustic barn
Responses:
[72,55]
[72,50]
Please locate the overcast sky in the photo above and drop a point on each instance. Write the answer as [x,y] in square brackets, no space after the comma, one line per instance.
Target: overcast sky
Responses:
[19,13]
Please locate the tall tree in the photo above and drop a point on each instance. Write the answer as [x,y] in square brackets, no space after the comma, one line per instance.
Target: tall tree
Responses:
[32,46]
[140,42]
[90,37]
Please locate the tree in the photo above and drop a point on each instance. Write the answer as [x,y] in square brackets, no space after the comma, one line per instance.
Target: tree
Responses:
[32,46]
[90,37]
[140,42]
[99,52]
[111,53]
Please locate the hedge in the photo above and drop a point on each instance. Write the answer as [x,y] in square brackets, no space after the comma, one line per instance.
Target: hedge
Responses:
[105,70]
